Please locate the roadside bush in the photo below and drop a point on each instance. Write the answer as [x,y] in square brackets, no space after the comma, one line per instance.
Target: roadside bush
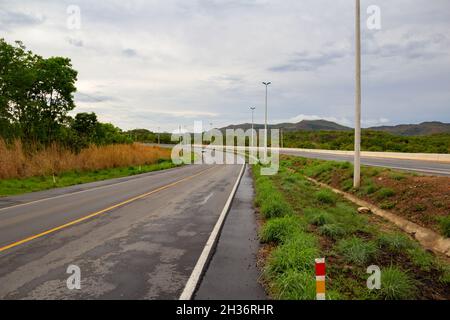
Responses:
[326,196]
[356,250]
[280,229]
[397,285]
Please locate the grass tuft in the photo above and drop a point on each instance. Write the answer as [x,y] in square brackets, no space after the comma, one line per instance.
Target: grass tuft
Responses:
[274,207]
[444,224]
[318,217]
[278,230]
[397,285]
[334,231]
[369,189]
[387,205]
[384,193]
[356,250]
[295,285]
[326,196]
[397,176]
[421,259]
[298,253]
[395,242]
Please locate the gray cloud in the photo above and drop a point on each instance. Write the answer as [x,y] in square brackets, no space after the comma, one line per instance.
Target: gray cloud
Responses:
[10,19]
[172,62]
[129,52]
[304,61]
[410,47]
[93,98]
[75,42]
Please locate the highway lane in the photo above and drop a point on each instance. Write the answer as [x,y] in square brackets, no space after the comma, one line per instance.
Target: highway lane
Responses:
[142,249]
[424,167]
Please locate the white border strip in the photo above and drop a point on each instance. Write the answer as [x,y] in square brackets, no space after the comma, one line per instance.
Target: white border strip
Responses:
[194,279]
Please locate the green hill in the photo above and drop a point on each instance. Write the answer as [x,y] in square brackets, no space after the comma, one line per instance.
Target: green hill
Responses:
[304,125]
[370,141]
[425,128]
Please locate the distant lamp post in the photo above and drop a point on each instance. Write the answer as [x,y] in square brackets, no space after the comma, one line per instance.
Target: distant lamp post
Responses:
[159,140]
[253,134]
[357,160]
[265,121]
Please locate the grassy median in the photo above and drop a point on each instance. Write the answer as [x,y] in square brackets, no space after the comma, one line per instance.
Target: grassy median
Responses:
[301,222]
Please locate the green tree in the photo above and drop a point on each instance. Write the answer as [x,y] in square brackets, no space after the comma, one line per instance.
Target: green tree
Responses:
[109,134]
[36,93]
[86,126]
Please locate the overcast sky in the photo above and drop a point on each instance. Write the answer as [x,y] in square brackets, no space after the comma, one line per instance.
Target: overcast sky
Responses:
[144,64]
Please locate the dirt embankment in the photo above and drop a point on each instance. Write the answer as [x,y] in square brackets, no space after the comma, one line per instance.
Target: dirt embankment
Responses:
[421,199]
[424,200]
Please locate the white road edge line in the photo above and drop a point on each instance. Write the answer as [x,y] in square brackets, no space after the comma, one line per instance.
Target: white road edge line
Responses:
[194,279]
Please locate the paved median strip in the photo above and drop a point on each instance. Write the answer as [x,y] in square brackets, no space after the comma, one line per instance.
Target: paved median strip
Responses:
[94,214]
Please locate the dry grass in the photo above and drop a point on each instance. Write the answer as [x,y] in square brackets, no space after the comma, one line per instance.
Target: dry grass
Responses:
[15,162]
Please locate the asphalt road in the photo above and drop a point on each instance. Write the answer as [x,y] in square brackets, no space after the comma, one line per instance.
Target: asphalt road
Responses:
[141,240]
[425,167]
[422,167]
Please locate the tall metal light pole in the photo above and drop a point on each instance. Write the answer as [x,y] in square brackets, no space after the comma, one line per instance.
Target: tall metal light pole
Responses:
[159,140]
[282,137]
[357,160]
[253,134]
[265,121]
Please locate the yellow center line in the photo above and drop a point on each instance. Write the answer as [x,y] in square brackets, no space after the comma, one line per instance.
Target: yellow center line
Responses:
[89,216]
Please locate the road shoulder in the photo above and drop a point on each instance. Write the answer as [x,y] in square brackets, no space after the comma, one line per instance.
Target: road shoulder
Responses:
[232,272]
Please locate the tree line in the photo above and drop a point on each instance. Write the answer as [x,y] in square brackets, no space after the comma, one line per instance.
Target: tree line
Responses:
[370,141]
[36,95]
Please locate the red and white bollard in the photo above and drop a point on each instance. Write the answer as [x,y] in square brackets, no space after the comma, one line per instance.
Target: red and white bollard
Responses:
[320,279]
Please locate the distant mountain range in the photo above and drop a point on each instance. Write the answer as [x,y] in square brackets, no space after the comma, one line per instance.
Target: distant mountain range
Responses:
[424,128]
[305,125]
